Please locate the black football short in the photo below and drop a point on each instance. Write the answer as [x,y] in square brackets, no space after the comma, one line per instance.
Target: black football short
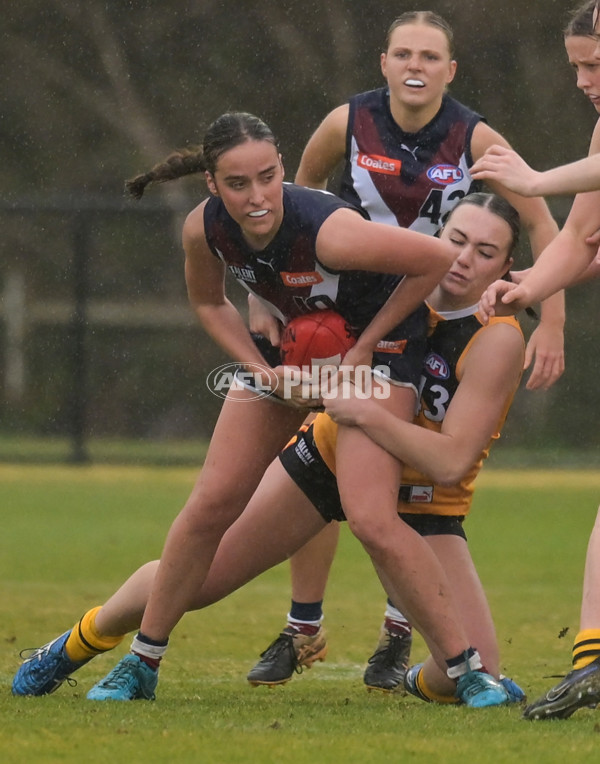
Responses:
[303,463]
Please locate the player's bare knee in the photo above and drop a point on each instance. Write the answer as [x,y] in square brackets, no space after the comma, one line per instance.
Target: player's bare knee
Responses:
[372,535]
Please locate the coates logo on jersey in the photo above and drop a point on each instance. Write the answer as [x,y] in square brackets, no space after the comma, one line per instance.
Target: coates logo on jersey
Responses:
[375,163]
[391,346]
[301,279]
[436,366]
[445,174]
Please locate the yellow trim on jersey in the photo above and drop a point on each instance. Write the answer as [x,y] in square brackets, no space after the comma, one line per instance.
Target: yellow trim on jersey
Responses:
[445,500]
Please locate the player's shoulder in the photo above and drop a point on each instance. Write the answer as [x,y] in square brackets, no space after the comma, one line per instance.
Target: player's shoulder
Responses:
[451,104]
[501,334]
[193,226]
[485,136]
[338,116]
[303,198]
[333,123]
[511,321]
[496,351]
[376,95]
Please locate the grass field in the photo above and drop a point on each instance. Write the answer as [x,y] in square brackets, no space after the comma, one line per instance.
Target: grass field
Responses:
[71,534]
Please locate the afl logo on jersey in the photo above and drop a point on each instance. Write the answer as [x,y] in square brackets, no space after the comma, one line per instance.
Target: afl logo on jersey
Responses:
[445,174]
[436,366]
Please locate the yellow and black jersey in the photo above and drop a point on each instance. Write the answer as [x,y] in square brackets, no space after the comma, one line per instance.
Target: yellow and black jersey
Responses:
[310,456]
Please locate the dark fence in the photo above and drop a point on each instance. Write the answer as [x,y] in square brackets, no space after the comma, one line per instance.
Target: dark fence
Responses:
[97,339]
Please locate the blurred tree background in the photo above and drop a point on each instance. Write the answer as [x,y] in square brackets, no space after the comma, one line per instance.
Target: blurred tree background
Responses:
[96,331]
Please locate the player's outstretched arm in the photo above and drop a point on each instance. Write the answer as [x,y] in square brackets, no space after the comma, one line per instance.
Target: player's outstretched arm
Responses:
[507,167]
[503,165]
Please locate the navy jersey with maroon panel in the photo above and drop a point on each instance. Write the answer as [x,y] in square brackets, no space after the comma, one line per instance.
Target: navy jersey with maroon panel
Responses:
[286,275]
[408,179]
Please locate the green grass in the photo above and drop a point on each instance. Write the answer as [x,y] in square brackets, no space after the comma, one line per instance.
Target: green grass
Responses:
[72,534]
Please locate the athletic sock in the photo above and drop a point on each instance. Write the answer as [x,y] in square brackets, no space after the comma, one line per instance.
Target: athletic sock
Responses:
[85,641]
[149,651]
[461,664]
[395,622]
[586,648]
[428,694]
[305,617]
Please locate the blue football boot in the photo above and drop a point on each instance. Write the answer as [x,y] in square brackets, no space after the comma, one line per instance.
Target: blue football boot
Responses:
[45,669]
[477,689]
[514,692]
[131,679]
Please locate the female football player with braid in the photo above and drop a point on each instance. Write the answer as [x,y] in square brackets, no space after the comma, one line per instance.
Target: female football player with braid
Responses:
[467,383]
[262,230]
[407,149]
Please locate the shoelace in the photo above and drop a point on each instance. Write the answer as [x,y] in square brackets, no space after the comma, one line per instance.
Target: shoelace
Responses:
[281,644]
[477,684]
[39,652]
[390,653]
[117,678]
[30,654]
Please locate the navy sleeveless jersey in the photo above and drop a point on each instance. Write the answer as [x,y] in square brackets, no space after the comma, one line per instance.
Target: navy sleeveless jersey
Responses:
[286,275]
[408,179]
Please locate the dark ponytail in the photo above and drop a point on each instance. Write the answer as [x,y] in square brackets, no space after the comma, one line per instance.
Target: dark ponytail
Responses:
[224,133]
[176,165]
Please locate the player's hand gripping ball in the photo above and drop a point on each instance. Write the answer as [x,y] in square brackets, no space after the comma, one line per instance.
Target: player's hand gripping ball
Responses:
[321,338]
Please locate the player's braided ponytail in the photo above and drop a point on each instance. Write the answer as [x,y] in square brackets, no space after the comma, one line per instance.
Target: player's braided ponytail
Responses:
[176,165]
[229,130]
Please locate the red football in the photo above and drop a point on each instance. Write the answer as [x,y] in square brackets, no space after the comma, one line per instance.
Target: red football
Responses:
[316,339]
